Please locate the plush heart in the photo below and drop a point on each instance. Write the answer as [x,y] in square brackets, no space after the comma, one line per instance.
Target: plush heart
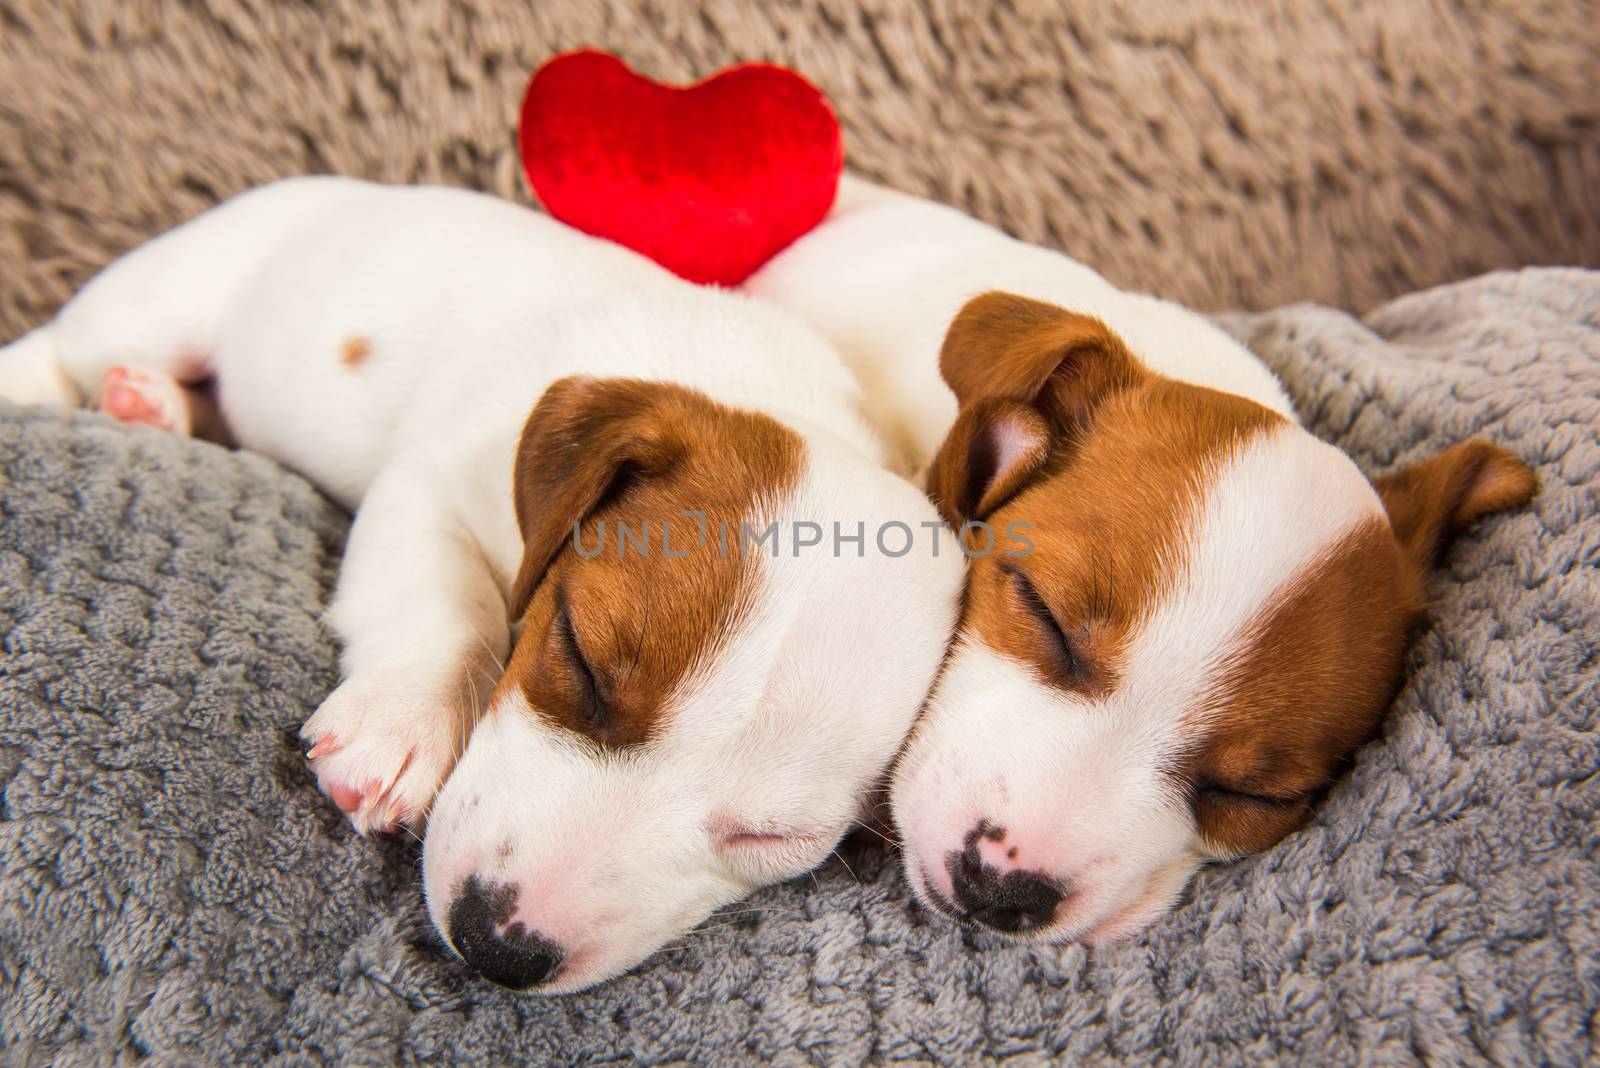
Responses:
[709,180]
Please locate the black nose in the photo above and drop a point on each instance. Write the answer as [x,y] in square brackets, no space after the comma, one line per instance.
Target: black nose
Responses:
[510,955]
[1015,901]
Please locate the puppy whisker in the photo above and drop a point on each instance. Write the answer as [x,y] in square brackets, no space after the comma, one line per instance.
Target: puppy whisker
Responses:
[894,842]
[499,663]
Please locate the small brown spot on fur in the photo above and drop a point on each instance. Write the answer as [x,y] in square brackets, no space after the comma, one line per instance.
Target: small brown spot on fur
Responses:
[355,350]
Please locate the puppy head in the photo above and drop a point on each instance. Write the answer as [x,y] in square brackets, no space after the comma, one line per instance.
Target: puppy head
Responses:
[697,702]
[1211,619]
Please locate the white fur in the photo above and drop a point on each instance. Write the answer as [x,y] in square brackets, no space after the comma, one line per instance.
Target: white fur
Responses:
[1078,785]
[471,307]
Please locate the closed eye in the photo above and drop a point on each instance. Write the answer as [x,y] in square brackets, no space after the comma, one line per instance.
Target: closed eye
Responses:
[1062,650]
[746,837]
[758,839]
[592,707]
[1214,794]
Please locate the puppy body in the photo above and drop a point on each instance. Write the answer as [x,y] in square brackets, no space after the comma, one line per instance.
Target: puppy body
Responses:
[680,719]
[1213,607]
[887,272]
[453,290]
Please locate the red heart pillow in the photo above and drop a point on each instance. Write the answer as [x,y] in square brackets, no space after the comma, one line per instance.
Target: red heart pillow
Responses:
[709,180]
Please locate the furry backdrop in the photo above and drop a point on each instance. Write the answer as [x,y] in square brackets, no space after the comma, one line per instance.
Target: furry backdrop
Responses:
[1221,153]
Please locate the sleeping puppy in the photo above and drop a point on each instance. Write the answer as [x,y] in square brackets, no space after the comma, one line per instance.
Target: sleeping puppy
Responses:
[1211,607]
[701,684]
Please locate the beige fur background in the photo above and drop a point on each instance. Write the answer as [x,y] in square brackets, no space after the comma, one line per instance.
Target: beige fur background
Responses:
[1226,153]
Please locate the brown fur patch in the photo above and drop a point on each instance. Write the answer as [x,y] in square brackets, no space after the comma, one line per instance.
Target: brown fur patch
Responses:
[1003,345]
[603,452]
[1325,660]
[1429,502]
[1309,686]
[1028,375]
[355,349]
[1107,520]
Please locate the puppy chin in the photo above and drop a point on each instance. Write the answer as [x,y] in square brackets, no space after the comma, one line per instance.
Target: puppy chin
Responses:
[1158,898]
[1120,921]
[1125,924]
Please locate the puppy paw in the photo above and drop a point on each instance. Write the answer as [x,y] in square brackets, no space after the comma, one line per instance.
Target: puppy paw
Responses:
[382,752]
[143,397]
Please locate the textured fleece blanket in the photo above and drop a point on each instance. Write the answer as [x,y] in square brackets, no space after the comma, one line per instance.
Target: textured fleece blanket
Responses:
[172,884]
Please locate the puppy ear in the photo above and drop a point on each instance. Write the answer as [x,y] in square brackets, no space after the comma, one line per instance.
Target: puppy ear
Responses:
[585,441]
[1063,363]
[994,449]
[1429,502]
[1026,375]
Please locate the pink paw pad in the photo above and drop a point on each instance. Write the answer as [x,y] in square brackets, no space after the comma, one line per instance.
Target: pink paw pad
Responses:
[369,805]
[380,753]
[347,799]
[144,398]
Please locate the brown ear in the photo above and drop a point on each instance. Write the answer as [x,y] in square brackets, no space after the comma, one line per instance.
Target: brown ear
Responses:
[585,439]
[1026,375]
[994,449]
[1429,502]
[1063,363]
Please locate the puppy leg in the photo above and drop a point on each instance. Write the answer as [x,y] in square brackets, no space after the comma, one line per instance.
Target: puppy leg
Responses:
[160,308]
[30,372]
[423,623]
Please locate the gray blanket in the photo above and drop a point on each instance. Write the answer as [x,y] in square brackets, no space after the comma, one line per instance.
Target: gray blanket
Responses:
[172,884]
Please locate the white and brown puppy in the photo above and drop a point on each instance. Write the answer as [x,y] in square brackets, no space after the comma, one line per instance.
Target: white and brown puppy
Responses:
[1208,614]
[691,707]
